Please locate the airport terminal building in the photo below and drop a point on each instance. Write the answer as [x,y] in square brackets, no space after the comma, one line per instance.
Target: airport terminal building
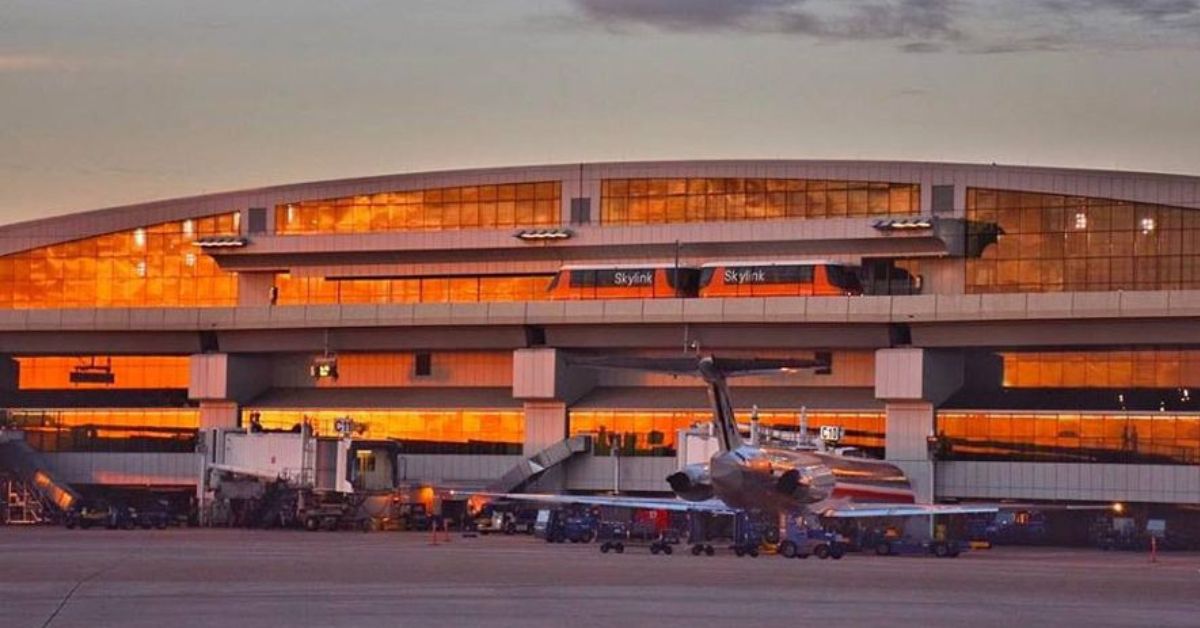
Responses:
[997,332]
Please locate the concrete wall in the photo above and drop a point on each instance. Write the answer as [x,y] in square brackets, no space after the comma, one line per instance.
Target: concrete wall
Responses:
[452,468]
[1064,481]
[126,469]
[476,369]
[220,376]
[595,473]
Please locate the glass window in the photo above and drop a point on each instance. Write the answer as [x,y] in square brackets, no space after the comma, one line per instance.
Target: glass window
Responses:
[154,266]
[440,209]
[434,431]
[1160,438]
[656,201]
[1082,244]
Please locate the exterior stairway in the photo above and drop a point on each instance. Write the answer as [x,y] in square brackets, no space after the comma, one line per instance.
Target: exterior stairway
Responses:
[31,486]
[529,469]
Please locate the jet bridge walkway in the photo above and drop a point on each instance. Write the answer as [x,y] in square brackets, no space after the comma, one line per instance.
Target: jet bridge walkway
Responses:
[33,494]
[525,471]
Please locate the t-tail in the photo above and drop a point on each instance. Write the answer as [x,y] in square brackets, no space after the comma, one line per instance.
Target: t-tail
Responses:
[723,418]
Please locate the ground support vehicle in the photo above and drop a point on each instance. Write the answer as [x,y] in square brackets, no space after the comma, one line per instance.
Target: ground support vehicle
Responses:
[801,543]
[749,534]
[661,544]
[907,546]
[99,514]
[560,526]
[331,511]
[505,522]
[706,530]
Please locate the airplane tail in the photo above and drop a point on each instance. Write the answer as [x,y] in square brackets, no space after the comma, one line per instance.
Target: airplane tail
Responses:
[714,371]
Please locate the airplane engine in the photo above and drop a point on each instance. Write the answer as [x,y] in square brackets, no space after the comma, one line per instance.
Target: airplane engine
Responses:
[693,483]
[807,484]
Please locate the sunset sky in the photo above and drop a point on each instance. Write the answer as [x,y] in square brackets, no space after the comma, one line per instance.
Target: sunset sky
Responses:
[112,102]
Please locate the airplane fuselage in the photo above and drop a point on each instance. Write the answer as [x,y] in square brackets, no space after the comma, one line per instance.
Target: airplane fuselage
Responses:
[783,480]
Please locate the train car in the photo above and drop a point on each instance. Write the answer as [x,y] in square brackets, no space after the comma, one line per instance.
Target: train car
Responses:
[624,281]
[804,278]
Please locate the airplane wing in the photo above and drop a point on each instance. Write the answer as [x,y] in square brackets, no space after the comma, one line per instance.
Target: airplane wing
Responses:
[652,503]
[853,510]
[849,510]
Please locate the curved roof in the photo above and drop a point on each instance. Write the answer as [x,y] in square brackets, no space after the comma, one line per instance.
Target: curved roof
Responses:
[579,179]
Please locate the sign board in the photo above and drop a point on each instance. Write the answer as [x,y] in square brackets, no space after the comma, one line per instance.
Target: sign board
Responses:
[343,425]
[832,433]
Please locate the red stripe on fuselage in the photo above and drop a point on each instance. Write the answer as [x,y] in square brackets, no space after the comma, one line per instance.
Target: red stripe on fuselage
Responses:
[868,494]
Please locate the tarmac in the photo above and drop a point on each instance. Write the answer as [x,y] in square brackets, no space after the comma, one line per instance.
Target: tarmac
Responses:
[205,577]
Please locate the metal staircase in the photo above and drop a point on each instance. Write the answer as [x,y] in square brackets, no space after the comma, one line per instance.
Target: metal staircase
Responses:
[23,503]
[529,469]
[32,492]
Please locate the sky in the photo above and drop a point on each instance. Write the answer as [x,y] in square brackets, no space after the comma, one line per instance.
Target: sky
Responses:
[109,102]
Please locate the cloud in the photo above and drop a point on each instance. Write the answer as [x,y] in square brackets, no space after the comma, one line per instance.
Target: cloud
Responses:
[23,62]
[919,26]
[879,19]
[1155,10]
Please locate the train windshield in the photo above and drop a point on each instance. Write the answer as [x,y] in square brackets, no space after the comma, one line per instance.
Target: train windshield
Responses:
[843,277]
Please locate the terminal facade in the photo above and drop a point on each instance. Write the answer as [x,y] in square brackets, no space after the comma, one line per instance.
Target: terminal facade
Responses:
[997,332]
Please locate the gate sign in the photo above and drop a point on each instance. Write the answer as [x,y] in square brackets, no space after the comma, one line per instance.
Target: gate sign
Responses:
[832,433]
[343,425]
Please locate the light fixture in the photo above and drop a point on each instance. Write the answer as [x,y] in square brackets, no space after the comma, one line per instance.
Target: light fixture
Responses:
[139,237]
[189,227]
[220,242]
[533,235]
[1147,225]
[902,224]
[1080,221]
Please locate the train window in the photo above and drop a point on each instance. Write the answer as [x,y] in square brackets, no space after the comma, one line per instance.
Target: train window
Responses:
[738,275]
[706,275]
[583,279]
[553,283]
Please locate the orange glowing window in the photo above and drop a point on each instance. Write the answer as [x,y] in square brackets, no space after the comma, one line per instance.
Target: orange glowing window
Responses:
[294,290]
[153,266]
[115,372]
[420,431]
[466,207]
[653,201]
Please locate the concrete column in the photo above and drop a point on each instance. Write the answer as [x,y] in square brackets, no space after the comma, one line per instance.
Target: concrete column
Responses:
[218,414]
[913,382]
[546,424]
[10,374]
[908,424]
[221,376]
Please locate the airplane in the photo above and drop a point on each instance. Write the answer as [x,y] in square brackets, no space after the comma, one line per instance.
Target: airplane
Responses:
[746,477]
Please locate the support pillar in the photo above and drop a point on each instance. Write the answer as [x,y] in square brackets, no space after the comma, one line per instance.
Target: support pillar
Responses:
[913,382]
[10,374]
[542,379]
